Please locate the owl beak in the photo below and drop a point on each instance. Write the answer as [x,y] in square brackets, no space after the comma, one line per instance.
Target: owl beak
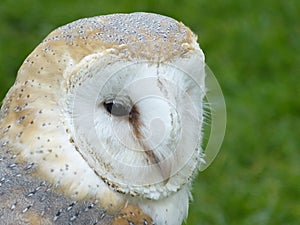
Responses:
[163,166]
[157,145]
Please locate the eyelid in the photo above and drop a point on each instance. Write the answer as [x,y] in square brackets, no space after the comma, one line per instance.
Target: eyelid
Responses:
[109,101]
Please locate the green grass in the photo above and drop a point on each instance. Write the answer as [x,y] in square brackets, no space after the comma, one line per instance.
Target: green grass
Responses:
[253,47]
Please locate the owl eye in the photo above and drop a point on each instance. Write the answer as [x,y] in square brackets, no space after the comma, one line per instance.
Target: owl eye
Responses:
[116,109]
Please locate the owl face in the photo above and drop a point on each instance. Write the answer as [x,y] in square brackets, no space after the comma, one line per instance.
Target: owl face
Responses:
[138,123]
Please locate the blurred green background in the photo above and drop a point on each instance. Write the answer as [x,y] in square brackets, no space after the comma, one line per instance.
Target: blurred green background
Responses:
[253,47]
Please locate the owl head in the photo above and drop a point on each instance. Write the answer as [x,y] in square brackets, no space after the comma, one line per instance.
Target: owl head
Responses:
[117,97]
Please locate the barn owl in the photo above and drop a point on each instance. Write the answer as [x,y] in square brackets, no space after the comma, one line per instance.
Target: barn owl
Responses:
[110,108]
